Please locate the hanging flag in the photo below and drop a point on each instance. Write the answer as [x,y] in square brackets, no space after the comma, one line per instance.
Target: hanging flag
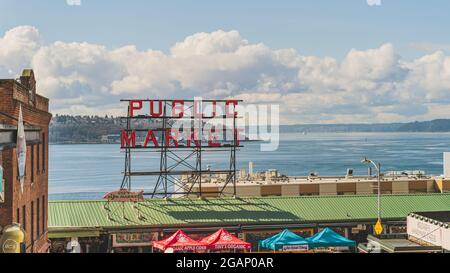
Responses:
[21,149]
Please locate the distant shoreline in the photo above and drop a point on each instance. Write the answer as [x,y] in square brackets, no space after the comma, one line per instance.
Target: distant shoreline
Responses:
[97,130]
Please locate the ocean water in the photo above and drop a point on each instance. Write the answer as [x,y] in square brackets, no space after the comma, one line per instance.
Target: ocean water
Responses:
[83,172]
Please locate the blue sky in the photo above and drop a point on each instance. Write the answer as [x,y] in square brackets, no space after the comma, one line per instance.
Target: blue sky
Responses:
[319,27]
[322,61]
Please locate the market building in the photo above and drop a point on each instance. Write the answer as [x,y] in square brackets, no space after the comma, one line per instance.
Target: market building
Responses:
[427,232]
[102,226]
[273,183]
[24,201]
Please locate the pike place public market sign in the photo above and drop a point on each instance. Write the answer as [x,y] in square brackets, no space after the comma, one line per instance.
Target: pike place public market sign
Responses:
[190,116]
[182,131]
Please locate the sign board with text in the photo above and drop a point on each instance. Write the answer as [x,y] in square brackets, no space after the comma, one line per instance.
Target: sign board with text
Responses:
[124,195]
[134,239]
[295,248]
[424,231]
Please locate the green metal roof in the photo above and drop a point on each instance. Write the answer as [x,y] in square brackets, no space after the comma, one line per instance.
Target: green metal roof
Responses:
[70,234]
[264,210]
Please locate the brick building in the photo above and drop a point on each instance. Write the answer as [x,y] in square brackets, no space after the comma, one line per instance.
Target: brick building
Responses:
[28,208]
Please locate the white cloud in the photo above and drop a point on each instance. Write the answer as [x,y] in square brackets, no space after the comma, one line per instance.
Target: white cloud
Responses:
[73,2]
[17,48]
[373,2]
[430,47]
[366,86]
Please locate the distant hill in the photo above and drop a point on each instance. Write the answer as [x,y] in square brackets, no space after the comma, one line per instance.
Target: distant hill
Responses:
[439,125]
[82,129]
[90,129]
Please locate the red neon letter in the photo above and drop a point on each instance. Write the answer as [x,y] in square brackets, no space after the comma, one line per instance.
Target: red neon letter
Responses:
[150,136]
[129,140]
[227,107]
[212,138]
[133,106]
[180,107]
[152,109]
[170,137]
[191,137]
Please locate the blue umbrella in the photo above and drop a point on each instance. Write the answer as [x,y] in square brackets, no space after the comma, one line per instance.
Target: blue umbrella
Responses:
[329,238]
[282,239]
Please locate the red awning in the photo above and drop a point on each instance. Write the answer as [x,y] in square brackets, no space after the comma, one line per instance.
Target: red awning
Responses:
[179,241]
[222,239]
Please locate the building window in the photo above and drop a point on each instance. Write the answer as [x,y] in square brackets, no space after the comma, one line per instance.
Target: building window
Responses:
[32,222]
[18,216]
[24,217]
[44,145]
[38,223]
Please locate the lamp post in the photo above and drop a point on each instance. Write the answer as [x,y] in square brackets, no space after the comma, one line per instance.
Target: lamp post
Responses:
[377,167]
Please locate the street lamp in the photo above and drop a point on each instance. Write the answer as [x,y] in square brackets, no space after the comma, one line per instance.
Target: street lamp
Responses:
[378,168]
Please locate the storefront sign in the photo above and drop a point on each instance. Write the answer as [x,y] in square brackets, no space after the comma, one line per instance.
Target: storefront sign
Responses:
[2,193]
[295,248]
[424,231]
[124,195]
[131,239]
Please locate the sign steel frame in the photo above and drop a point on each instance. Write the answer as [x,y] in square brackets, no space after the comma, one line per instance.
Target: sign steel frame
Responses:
[177,160]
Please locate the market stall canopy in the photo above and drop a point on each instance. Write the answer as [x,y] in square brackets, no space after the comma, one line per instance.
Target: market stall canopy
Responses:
[329,238]
[222,239]
[285,240]
[179,241]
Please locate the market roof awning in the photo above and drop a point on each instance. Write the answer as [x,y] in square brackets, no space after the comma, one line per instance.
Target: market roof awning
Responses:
[284,211]
[59,234]
[329,238]
[222,239]
[283,239]
[179,241]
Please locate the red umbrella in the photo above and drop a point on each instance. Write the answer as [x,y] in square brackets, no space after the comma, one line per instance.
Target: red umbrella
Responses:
[222,239]
[179,241]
